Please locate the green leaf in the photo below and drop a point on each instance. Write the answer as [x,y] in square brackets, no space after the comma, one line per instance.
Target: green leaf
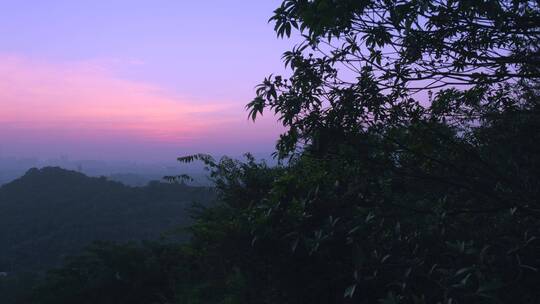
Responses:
[349,292]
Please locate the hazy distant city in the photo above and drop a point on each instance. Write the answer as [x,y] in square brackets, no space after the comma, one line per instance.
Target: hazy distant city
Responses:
[129,173]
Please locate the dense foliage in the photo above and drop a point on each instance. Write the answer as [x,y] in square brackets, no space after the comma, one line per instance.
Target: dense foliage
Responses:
[109,273]
[427,43]
[382,197]
[417,214]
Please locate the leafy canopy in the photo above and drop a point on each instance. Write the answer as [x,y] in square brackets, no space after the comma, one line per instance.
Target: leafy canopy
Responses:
[361,62]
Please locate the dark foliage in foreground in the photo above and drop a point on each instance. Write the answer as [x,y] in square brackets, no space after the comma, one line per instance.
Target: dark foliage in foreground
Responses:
[110,273]
[417,214]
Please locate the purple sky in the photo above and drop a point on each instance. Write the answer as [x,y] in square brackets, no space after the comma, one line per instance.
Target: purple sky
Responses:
[136,80]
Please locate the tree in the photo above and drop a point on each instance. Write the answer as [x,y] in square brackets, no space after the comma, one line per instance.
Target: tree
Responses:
[410,201]
[107,272]
[443,42]
[360,61]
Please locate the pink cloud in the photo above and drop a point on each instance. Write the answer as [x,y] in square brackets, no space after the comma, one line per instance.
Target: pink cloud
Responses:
[88,97]
[84,103]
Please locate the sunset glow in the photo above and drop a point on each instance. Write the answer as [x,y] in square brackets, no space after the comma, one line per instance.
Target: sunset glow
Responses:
[115,89]
[88,99]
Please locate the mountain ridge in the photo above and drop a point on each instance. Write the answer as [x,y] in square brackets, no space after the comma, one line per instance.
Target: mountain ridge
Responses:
[56,212]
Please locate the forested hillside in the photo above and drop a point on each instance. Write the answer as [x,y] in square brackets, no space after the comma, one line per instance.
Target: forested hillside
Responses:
[50,213]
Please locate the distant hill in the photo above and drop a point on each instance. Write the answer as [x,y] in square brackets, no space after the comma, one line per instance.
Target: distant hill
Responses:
[51,212]
[132,179]
[140,180]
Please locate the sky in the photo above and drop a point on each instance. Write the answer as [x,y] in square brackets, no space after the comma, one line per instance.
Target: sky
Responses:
[135,80]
